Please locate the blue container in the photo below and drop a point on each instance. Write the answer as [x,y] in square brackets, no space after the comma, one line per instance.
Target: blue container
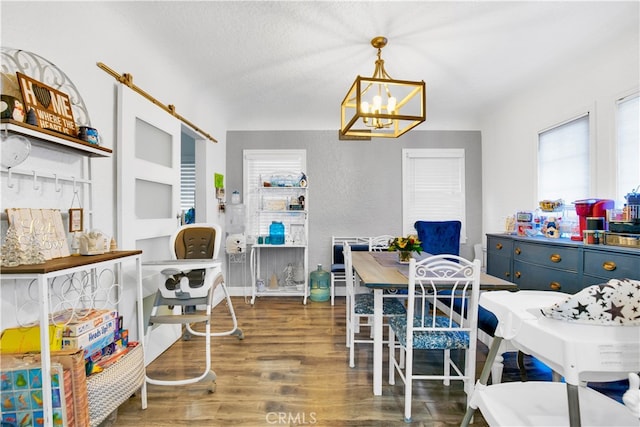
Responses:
[276,233]
[319,281]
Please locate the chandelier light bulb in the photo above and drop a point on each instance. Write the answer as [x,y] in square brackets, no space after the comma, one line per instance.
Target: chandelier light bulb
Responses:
[391,105]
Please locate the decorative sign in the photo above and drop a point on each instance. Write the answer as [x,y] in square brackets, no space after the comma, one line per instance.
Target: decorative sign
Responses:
[52,107]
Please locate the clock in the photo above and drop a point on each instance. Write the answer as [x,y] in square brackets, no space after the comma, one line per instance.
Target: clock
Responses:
[15,150]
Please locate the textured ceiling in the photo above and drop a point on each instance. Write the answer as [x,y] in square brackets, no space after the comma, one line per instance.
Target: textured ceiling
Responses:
[287,65]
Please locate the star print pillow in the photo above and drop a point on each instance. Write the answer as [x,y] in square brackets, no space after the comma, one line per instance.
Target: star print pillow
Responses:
[616,302]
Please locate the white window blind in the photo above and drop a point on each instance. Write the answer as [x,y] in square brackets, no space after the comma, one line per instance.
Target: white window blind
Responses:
[563,161]
[433,187]
[259,165]
[628,124]
[187,186]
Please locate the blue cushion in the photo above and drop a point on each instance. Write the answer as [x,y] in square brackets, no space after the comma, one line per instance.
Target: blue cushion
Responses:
[487,321]
[337,268]
[430,340]
[439,237]
[390,306]
[338,257]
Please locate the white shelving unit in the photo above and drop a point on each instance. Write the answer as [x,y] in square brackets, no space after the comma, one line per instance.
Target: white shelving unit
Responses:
[282,268]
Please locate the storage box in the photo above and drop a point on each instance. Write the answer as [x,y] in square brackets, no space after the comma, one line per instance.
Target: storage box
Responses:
[110,388]
[22,400]
[78,322]
[71,361]
[92,341]
[27,339]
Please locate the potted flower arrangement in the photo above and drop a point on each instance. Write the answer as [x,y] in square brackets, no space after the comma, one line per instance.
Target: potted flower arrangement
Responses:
[405,246]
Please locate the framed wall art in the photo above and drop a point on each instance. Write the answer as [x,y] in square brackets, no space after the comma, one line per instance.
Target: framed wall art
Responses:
[76,220]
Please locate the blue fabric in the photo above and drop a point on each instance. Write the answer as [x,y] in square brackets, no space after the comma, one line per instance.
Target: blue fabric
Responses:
[439,237]
[429,340]
[337,268]
[338,257]
[390,307]
[487,321]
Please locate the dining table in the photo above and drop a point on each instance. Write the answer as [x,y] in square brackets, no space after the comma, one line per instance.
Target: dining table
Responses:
[380,272]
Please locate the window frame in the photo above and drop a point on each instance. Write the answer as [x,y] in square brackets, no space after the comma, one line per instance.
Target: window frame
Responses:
[591,159]
[409,215]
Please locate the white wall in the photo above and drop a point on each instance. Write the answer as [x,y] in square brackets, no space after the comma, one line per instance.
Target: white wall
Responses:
[77,35]
[510,130]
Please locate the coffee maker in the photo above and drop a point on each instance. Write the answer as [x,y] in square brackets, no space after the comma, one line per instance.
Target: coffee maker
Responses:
[589,208]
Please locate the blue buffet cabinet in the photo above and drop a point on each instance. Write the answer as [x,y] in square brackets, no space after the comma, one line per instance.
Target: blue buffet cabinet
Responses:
[540,263]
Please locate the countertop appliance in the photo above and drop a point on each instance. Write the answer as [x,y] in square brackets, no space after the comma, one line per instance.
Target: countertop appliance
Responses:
[587,208]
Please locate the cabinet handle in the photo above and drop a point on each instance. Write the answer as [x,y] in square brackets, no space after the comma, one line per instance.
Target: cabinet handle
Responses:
[518,274]
[609,265]
[518,251]
[555,286]
[555,258]
[498,246]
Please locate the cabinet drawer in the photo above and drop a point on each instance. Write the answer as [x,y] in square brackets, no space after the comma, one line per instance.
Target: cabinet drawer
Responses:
[539,278]
[609,265]
[499,266]
[547,255]
[499,245]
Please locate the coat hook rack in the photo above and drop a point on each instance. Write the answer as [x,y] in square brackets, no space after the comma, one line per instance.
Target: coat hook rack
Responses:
[127,79]
[35,181]
[57,185]
[10,183]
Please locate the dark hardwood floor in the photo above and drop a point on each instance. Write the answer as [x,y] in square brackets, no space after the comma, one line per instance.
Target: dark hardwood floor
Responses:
[290,369]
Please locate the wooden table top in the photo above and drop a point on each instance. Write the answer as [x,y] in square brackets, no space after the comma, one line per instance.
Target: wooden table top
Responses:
[57,264]
[381,270]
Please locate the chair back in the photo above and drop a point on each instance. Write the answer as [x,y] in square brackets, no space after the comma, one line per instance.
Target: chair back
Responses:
[196,241]
[349,279]
[443,277]
[380,243]
[439,237]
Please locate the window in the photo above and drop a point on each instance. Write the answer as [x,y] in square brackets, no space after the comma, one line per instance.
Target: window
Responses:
[563,161]
[433,187]
[628,127]
[259,164]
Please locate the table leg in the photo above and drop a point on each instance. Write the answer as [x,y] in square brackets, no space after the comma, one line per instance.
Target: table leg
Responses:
[377,342]
[45,351]
[140,320]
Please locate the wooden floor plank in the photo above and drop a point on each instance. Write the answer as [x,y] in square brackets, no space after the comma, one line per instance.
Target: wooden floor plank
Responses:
[290,369]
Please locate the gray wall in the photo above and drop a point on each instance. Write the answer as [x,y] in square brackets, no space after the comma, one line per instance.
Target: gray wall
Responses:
[355,187]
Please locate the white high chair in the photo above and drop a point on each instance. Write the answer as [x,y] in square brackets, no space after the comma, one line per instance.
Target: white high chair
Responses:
[191,279]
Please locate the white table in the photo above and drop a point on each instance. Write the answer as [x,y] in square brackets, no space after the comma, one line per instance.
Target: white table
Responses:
[45,274]
[378,271]
[579,352]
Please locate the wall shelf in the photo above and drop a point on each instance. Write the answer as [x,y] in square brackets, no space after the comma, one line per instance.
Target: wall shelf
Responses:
[44,138]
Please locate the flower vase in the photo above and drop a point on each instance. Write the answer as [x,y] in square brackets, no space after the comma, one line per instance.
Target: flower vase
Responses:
[404,256]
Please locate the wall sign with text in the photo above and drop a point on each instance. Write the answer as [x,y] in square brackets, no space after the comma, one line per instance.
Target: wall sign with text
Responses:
[52,107]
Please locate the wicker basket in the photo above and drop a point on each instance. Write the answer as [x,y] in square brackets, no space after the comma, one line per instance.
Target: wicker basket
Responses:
[111,387]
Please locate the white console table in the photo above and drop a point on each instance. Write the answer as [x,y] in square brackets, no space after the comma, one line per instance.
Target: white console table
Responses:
[579,352]
[45,274]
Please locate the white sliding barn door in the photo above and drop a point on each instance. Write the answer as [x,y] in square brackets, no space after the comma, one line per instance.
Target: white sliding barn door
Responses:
[148,197]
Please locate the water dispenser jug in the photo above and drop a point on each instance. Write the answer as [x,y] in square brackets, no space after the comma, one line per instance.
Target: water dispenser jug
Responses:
[276,233]
[319,281]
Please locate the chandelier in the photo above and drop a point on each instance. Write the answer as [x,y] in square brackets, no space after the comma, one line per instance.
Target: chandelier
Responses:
[379,106]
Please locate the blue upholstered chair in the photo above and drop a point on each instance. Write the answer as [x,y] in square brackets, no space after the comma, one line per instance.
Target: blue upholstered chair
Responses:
[439,237]
[443,237]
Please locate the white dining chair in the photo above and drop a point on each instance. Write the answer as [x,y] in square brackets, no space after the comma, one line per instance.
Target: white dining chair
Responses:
[425,328]
[360,307]
[380,243]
